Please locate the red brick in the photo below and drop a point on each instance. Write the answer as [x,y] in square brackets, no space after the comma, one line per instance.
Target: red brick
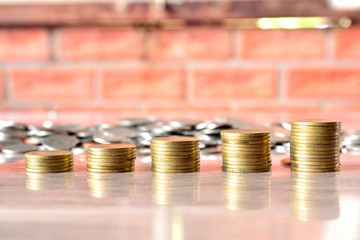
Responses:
[24,45]
[347,44]
[189,44]
[143,83]
[283,44]
[225,82]
[2,94]
[52,83]
[99,44]
[324,83]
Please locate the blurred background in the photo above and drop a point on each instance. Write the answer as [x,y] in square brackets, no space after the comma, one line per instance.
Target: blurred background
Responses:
[93,61]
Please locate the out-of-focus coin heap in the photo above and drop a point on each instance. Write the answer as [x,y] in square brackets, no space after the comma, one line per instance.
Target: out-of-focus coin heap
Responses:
[245,150]
[315,145]
[111,158]
[175,154]
[246,191]
[49,161]
[315,197]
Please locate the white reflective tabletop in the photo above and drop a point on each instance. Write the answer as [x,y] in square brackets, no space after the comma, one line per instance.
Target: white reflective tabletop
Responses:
[207,205]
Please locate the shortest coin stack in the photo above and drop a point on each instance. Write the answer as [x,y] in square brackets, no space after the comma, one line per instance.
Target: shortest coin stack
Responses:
[245,150]
[175,154]
[111,158]
[49,161]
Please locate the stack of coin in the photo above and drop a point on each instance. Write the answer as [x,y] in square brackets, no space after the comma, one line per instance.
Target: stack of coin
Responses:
[45,181]
[246,191]
[170,188]
[245,150]
[175,154]
[315,145]
[111,158]
[106,185]
[315,197]
[49,161]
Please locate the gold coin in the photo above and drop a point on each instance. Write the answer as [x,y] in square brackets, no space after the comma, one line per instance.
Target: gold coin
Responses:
[316,130]
[111,153]
[112,147]
[315,142]
[122,165]
[49,154]
[43,160]
[316,156]
[315,163]
[246,151]
[231,170]
[109,171]
[245,159]
[247,166]
[163,156]
[314,148]
[314,152]
[244,142]
[49,166]
[244,154]
[176,163]
[174,149]
[316,134]
[314,166]
[316,122]
[112,157]
[30,170]
[242,147]
[246,163]
[196,169]
[314,170]
[175,167]
[248,138]
[156,152]
[245,132]
[165,141]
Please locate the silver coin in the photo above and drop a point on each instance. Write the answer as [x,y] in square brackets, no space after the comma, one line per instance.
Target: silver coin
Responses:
[104,139]
[60,142]
[18,148]
[121,132]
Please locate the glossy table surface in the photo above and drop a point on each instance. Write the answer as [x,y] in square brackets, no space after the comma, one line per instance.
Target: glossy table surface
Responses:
[207,205]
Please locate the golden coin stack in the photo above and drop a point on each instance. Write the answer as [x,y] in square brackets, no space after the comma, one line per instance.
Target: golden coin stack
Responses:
[45,181]
[175,154]
[245,150]
[246,191]
[315,197]
[106,185]
[49,161]
[170,188]
[111,158]
[315,145]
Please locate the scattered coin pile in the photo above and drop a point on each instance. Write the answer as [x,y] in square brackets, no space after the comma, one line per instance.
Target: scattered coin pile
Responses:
[170,188]
[111,158]
[315,145]
[246,191]
[245,150]
[49,161]
[44,181]
[106,185]
[315,197]
[175,154]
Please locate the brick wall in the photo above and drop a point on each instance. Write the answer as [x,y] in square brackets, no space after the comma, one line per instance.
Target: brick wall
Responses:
[101,74]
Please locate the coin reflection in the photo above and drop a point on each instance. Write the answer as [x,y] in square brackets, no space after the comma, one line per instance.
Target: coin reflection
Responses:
[179,188]
[106,185]
[246,191]
[49,181]
[315,196]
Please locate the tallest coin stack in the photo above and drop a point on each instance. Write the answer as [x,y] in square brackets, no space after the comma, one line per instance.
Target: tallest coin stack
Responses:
[315,145]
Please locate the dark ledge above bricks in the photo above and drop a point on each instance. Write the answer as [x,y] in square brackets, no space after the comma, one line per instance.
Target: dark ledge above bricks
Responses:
[113,14]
